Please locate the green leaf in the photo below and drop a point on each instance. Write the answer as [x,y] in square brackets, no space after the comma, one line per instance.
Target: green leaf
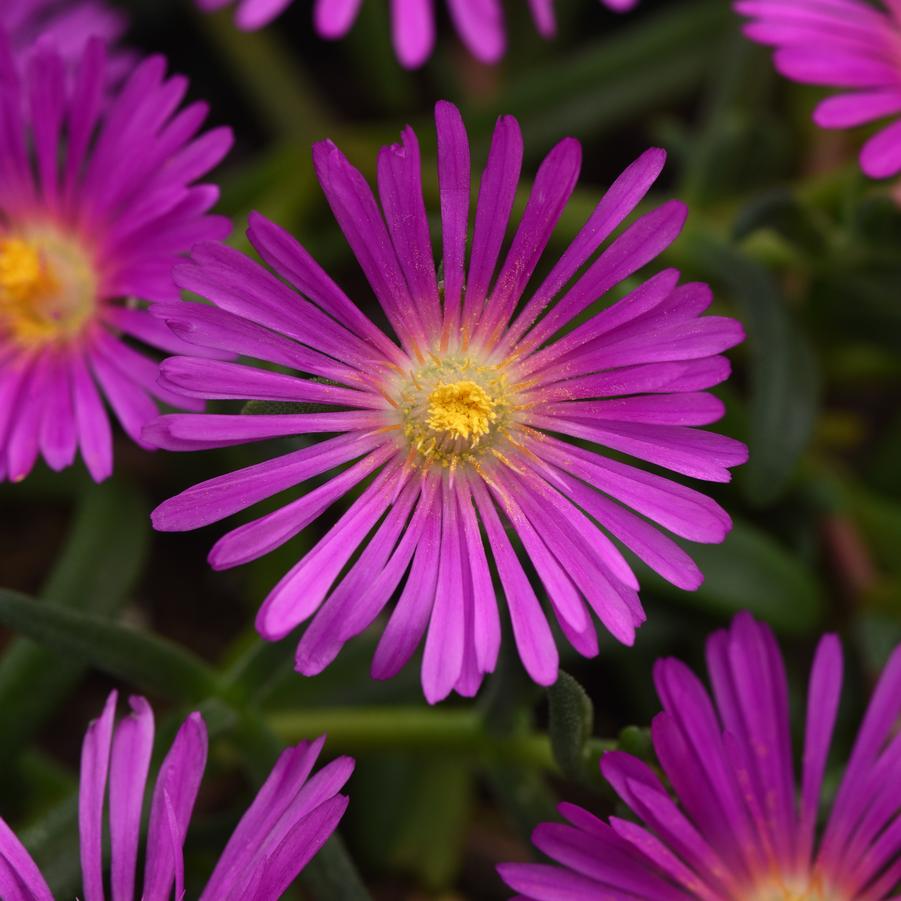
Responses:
[145,661]
[53,843]
[280,407]
[750,571]
[271,77]
[332,876]
[392,822]
[432,845]
[523,795]
[780,211]
[571,719]
[784,381]
[636,740]
[880,520]
[640,68]
[98,567]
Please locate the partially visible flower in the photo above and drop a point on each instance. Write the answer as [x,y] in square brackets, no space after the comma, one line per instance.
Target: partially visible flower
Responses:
[740,828]
[851,45]
[65,25]
[97,202]
[498,401]
[290,819]
[480,23]
[543,12]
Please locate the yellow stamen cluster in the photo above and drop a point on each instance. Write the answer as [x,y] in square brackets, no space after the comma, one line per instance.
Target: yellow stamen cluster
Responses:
[462,410]
[21,273]
[47,288]
[453,409]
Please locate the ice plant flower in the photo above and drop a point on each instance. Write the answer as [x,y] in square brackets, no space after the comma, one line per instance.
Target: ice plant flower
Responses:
[490,405]
[66,25]
[851,45]
[739,828]
[290,819]
[480,23]
[97,202]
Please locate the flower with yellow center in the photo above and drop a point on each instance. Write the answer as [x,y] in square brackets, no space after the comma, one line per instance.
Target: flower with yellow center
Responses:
[728,814]
[481,419]
[93,216]
[795,888]
[48,288]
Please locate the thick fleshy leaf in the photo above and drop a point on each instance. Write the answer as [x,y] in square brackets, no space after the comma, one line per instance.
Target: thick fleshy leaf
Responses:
[783,374]
[750,571]
[153,664]
[94,572]
[571,719]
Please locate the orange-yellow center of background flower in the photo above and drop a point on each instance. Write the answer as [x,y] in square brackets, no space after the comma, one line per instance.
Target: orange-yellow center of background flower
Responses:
[48,288]
[803,888]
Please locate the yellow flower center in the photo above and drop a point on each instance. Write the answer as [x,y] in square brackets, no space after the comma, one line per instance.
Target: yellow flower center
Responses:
[454,410]
[48,288]
[800,888]
[462,409]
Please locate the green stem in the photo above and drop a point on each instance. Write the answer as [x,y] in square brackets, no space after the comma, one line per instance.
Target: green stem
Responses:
[271,79]
[413,729]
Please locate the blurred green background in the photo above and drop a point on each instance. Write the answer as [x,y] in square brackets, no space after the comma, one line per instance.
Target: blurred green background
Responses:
[796,243]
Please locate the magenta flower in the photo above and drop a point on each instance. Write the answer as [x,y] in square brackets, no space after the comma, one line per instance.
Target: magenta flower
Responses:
[480,412]
[480,23]
[290,819]
[738,830]
[97,202]
[65,25]
[846,44]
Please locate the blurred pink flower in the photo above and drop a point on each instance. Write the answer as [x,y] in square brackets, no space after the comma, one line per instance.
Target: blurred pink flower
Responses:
[64,25]
[846,44]
[98,200]
[290,819]
[739,828]
[480,23]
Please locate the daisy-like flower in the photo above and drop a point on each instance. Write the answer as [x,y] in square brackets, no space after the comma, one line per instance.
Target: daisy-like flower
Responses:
[480,23]
[739,829]
[851,45]
[66,25]
[290,819]
[97,202]
[490,406]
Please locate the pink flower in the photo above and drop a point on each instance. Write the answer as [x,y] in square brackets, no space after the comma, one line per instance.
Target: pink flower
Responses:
[846,44]
[480,23]
[290,819]
[65,25]
[97,202]
[740,827]
[480,411]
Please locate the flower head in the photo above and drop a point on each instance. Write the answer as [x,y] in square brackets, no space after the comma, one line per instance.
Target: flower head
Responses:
[480,23]
[290,819]
[65,26]
[97,202]
[851,45]
[739,828]
[490,407]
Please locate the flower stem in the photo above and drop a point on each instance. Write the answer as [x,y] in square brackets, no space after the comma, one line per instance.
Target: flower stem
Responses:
[360,729]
